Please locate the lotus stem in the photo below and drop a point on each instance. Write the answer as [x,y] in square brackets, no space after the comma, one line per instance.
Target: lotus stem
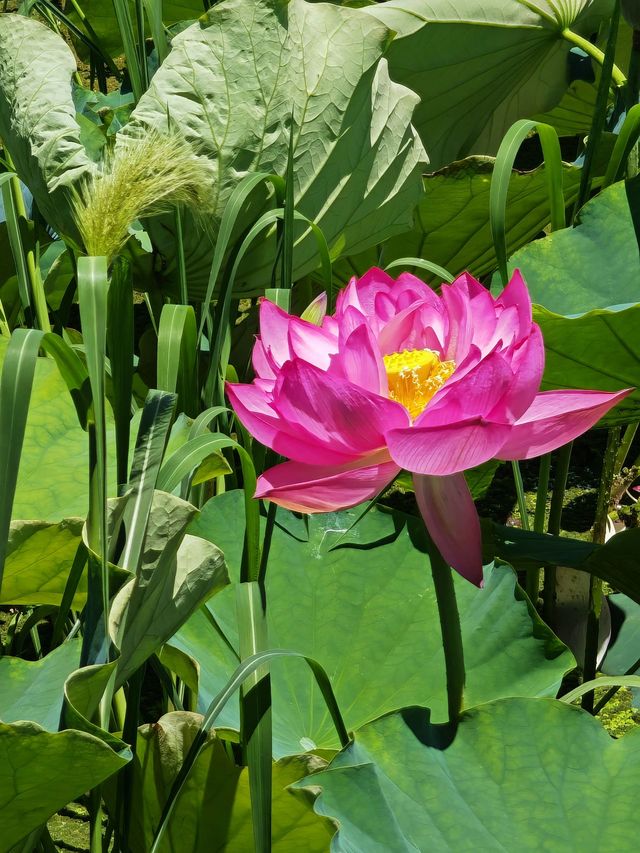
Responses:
[595,584]
[451,631]
[553,527]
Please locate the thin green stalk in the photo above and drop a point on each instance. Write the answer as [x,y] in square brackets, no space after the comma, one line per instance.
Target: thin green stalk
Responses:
[602,100]
[451,631]
[595,584]
[522,504]
[182,267]
[625,446]
[533,575]
[553,527]
[608,696]
[595,53]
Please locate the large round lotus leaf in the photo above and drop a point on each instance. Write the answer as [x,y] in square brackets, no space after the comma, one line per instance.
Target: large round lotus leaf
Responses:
[594,265]
[34,690]
[520,774]
[479,65]
[39,559]
[451,224]
[252,75]
[585,283]
[362,603]
[37,116]
[213,811]
[43,771]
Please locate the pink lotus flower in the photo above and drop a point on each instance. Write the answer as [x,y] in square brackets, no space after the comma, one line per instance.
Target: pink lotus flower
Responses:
[400,377]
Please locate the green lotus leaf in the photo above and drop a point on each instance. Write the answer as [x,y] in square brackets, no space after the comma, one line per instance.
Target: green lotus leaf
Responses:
[53,481]
[39,559]
[585,281]
[366,610]
[33,690]
[451,224]
[624,651]
[213,811]
[43,771]
[37,116]
[479,65]
[244,80]
[520,774]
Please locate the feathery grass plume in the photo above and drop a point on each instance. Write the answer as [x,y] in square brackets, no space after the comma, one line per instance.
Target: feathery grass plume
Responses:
[144,176]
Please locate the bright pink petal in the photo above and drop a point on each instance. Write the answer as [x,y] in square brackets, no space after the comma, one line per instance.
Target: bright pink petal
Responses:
[477,394]
[420,326]
[262,361]
[284,336]
[470,284]
[448,511]
[457,305]
[338,413]
[312,488]
[311,343]
[555,418]
[446,449]
[253,407]
[359,361]
[274,328]
[527,364]
[516,294]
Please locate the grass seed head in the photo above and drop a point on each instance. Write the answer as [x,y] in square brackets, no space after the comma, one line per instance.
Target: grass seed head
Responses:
[143,176]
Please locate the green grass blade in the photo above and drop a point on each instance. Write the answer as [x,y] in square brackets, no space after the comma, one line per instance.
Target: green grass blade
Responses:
[600,112]
[125,25]
[227,224]
[120,333]
[255,710]
[177,355]
[501,178]
[217,363]
[244,670]
[201,423]
[16,383]
[93,287]
[153,8]
[74,373]
[187,458]
[420,263]
[153,435]
[625,141]
[7,185]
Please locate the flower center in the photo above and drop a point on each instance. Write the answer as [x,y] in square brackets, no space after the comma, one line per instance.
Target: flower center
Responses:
[414,377]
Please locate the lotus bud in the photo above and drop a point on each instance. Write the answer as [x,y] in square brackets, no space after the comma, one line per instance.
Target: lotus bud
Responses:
[316,310]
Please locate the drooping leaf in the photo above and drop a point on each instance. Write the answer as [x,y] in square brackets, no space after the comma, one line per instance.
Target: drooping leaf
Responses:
[615,562]
[213,811]
[33,690]
[585,281]
[235,81]
[37,116]
[479,65]
[43,771]
[400,788]
[366,611]
[177,574]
